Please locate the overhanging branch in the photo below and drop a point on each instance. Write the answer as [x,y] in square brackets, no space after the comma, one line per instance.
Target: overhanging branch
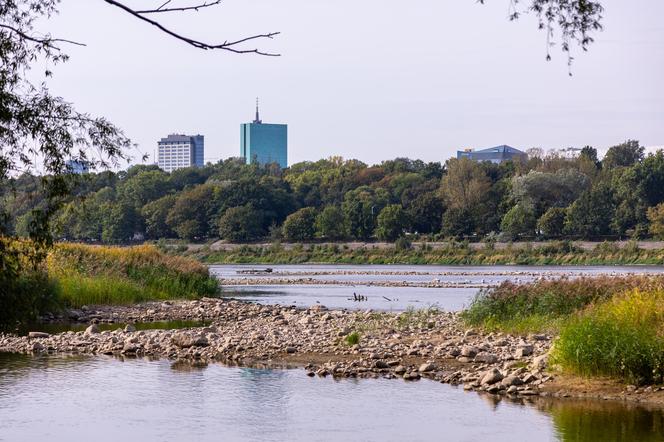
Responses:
[230,46]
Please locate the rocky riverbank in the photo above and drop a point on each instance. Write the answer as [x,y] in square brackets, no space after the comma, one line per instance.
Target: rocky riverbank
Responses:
[410,345]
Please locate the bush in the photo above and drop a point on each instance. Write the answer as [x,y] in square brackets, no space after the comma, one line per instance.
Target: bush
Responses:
[26,291]
[540,306]
[402,244]
[621,337]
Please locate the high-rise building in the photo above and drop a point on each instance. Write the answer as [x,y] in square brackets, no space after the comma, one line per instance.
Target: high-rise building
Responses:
[179,151]
[264,143]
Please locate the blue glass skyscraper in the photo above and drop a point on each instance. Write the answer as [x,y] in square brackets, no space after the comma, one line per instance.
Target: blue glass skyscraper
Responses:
[264,143]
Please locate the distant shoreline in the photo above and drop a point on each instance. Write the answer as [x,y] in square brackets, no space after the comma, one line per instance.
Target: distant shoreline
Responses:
[433,253]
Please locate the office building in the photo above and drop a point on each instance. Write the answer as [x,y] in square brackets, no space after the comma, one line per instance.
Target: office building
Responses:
[77,166]
[179,151]
[264,143]
[495,155]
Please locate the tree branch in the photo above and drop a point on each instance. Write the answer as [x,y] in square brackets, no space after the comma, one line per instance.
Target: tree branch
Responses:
[47,41]
[184,8]
[226,46]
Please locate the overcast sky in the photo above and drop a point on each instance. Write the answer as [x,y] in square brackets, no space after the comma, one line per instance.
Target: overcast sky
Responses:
[368,79]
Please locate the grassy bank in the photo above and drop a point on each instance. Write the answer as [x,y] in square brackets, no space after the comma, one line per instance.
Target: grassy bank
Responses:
[114,275]
[462,253]
[74,275]
[605,326]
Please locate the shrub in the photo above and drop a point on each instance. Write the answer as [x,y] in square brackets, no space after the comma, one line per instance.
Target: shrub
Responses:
[353,339]
[621,337]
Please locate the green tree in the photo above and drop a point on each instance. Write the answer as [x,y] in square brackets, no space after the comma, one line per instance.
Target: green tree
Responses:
[301,225]
[330,223]
[240,224]
[552,223]
[120,223]
[624,155]
[656,219]
[143,187]
[155,214]
[191,215]
[361,207]
[590,216]
[519,220]
[392,222]
[426,213]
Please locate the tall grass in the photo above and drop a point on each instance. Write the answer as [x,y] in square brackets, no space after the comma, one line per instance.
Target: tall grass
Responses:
[125,275]
[544,305]
[622,337]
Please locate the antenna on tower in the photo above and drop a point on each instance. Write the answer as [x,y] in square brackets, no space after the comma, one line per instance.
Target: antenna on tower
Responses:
[258,119]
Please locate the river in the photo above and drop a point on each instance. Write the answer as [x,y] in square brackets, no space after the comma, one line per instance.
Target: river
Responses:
[389,287]
[107,399]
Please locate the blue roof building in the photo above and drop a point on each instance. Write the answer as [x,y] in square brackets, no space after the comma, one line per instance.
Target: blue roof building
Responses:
[264,143]
[495,155]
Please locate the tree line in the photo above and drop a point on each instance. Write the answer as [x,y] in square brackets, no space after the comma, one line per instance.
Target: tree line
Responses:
[548,196]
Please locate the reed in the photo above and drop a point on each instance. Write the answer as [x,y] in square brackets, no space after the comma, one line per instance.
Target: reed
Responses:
[89,275]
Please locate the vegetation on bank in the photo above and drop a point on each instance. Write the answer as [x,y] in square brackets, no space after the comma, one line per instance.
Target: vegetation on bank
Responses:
[74,275]
[112,275]
[606,325]
[454,253]
[549,196]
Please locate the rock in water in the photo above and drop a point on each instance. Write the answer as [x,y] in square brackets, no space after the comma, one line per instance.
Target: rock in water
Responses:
[33,335]
[491,377]
[130,328]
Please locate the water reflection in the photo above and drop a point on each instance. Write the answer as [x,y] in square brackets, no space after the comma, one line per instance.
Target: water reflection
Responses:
[74,398]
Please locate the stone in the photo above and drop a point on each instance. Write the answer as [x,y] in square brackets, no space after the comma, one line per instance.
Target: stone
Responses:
[291,350]
[512,390]
[469,351]
[427,367]
[524,350]
[184,340]
[36,335]
[491,377]
[91,330]
[486,358]
[400,369]
[540,362]
[130,328]
[512,380]
[381,364]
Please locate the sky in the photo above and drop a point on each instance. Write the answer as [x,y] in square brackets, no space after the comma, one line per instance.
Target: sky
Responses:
[371,79]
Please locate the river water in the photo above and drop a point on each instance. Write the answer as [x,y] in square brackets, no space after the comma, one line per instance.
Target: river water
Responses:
[370,281]
[106,399]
